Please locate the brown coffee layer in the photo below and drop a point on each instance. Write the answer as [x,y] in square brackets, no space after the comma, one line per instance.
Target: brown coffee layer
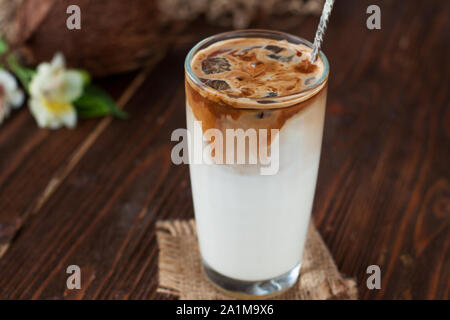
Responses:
[256,68]
[217,114]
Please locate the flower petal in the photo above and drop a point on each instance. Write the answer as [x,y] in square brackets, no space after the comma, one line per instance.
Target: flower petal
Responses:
[73,87]
[46,118]
[58,61]
[16,98]
[7,81]
[39,112]
[69,119]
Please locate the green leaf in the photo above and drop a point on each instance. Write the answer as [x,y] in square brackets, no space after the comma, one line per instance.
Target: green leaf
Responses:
[25,75]
[3,45]
[95,102]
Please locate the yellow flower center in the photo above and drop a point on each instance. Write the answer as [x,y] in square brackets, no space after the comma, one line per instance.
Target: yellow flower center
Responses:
[57,106]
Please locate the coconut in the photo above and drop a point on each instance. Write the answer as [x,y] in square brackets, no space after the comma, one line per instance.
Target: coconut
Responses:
[115,35]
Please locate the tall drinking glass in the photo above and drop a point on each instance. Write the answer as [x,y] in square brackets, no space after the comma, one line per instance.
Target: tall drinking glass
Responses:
[252,225]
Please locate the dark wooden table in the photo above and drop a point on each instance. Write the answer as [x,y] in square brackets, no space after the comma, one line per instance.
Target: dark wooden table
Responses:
[91,196]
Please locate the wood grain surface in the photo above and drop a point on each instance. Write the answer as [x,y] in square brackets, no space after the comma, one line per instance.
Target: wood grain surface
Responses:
[91,196]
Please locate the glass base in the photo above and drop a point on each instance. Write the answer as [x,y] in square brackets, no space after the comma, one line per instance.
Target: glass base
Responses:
[252,289]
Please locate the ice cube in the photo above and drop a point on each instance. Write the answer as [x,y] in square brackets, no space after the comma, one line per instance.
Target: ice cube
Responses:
[266,101]
[305,67]
[215,65]
[310,81]
[274,49]
[271,94]
[256,68]
[280,58]
[247,91]
[216,84]
[250,48]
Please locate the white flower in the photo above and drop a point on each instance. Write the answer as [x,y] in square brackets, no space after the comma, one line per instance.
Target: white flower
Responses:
[52,90]
[10,94]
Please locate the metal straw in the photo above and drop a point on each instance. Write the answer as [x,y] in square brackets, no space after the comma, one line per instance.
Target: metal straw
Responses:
[328,6]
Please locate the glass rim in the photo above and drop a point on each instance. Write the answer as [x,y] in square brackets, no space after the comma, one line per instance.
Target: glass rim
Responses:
[263,33]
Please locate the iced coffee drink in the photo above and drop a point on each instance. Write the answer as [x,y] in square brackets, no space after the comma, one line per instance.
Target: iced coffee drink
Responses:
[252,214]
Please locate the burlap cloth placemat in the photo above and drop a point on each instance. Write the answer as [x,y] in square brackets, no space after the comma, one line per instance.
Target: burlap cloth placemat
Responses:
[181,274]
